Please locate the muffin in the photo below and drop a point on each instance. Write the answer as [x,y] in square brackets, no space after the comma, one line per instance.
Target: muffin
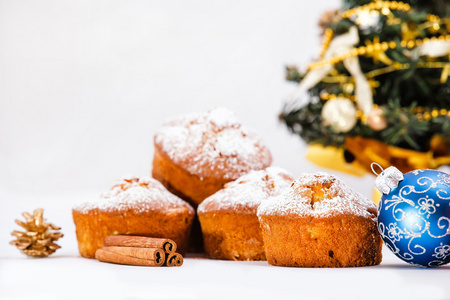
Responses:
[228,218]
[196,154]
[320,222]
[133,207]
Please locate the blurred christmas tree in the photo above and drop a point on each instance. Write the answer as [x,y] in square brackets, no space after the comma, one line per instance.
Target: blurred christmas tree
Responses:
[379,89]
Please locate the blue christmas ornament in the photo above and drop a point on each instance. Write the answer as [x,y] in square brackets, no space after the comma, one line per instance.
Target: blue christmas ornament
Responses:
[414,215]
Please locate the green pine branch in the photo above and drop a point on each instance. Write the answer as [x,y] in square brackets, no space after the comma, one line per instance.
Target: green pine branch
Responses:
[398,93]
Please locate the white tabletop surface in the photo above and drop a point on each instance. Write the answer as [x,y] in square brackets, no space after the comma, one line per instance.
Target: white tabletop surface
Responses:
[66,275]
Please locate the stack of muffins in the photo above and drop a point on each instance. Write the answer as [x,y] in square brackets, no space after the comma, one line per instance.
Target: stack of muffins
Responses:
[247,209]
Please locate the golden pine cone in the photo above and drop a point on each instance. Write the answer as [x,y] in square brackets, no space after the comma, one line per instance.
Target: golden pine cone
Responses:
[38,240]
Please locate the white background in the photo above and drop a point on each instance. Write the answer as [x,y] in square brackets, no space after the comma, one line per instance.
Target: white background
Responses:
[85,84]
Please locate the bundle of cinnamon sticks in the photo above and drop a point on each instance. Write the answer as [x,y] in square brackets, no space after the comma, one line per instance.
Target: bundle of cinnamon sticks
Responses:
[139,251]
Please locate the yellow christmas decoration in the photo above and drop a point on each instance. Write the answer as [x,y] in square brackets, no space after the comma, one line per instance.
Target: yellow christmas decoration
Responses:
[333,158]
[377,50]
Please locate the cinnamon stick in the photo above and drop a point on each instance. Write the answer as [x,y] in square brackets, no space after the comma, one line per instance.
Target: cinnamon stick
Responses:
[121,257]
[167,245]
[143,253]
[174,260]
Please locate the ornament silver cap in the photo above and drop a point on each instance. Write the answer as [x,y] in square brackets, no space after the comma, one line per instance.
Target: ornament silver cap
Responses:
[388,179]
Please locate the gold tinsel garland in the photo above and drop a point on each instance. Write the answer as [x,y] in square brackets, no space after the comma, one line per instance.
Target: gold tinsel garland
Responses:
[377,47]
[377,5]
[365,150]
[422,113]
[376,50]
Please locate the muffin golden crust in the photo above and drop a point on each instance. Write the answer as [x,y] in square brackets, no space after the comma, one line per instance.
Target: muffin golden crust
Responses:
[196,154]
[133,207]
[228,218]
[320,222]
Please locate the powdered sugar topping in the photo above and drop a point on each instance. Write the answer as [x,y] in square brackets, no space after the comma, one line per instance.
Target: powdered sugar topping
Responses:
[222,117]
[136,194]
[212,143]
[248,191]
[318,195]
